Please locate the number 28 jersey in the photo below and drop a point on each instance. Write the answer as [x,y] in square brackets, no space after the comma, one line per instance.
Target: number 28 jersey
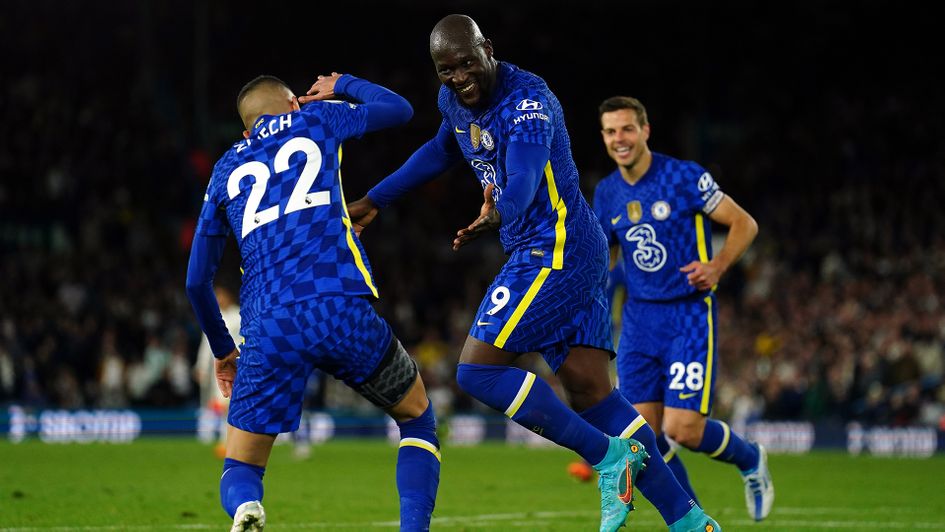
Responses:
[279,192]
[660,224]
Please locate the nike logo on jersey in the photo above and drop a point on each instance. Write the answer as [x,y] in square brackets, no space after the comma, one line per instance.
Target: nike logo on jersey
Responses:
[614,220]
[458,131]
[483,323]
[687,395]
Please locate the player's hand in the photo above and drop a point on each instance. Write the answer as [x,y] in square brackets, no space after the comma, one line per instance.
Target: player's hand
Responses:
[362,212]
[489,219]
[225,369]
[702,275]
[322,89]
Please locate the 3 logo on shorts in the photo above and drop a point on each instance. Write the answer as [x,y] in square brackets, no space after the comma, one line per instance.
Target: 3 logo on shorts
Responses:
[685,396]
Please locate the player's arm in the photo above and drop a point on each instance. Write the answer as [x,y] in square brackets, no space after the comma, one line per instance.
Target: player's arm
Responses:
[615,275]
[205,254]
[742,229]
[432,159]
[384,107]
[524,164]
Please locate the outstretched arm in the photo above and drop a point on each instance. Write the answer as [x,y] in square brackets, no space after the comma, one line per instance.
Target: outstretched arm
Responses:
[385,108]
[431,160]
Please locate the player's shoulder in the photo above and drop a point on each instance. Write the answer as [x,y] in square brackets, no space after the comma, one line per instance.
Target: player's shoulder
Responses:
[230,158]
[524,91]
[606,187]
[445,100]
[326,112]
[521,79]
[677,167]
[320,107]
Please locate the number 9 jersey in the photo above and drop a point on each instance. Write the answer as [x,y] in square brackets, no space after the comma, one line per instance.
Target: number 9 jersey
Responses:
[279,191]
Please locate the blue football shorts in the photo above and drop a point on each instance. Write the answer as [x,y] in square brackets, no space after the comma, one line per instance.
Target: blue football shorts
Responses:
[533,308]
[340,335]
[667,352]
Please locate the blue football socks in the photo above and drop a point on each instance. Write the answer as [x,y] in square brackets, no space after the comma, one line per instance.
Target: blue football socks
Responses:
[241,482]
[418,471]
[675,464]
[720,443]
[617,417]
[531,403]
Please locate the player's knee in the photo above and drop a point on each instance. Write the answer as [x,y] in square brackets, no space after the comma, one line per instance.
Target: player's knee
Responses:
[689,435]
[466,378]
[411,407]
[393,378]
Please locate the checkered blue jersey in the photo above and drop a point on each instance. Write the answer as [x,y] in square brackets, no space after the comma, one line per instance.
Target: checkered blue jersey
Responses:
[660,223]
[279,192]
[523,108]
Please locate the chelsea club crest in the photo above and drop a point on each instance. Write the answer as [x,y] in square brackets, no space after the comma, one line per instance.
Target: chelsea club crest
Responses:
[487,141]
[660,210]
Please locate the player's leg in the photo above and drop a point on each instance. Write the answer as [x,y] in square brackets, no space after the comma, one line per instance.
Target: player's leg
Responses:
[530,307]
[529,401]
[266,400]
[241,486]
[585,373]
[356,345]
[688,402]
[396,387]
[715,439]
[588,368]
[526,308]
[646,339]
[652,412]
[485,372]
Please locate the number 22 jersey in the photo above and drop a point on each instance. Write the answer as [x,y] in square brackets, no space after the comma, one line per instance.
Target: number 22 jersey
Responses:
[280,193]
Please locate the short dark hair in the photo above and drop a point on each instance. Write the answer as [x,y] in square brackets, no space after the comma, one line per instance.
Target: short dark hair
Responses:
[616,103]
[258,81]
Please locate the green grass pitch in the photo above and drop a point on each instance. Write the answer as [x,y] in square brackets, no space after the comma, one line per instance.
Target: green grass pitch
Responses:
[171,484]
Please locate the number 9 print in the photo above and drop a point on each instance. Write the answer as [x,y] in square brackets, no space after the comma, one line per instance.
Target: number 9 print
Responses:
[500,298]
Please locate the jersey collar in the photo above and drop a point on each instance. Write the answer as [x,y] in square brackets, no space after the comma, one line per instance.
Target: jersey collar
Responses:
[261,122]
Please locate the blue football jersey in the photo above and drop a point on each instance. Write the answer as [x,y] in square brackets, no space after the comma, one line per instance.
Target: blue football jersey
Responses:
[279,192]
[523,108]
[660,223]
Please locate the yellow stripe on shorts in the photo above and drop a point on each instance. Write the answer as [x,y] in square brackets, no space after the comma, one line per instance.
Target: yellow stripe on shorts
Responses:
[710,354]
[521,308]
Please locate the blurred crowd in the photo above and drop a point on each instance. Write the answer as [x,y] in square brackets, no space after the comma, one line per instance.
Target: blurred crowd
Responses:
[837,311]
